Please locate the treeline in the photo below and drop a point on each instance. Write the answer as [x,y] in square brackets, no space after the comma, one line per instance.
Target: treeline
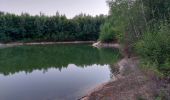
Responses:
[25,27]
[142,26]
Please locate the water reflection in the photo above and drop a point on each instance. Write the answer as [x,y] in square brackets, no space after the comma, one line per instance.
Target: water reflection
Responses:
[29,58]
[53,72]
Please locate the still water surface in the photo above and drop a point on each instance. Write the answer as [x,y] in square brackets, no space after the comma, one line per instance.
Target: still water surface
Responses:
[53,72]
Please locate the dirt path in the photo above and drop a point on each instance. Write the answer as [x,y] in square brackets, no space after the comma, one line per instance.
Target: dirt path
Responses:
[130,84]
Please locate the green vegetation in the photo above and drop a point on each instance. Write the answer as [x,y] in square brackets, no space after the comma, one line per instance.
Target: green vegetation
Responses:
[29,58]
[25,27]
[155,47]
[107,33]
[142,26]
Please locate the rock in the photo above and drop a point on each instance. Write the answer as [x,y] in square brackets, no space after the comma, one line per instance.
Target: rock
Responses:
[1,45]
[106,45]
[97,44]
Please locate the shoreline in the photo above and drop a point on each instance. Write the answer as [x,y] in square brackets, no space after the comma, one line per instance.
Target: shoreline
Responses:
[106,45]
[130,82]
[12,44]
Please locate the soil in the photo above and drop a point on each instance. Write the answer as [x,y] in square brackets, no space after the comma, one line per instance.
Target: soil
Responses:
[130,82]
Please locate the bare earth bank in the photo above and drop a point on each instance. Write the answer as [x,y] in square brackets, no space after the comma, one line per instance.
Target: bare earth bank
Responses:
[129,83]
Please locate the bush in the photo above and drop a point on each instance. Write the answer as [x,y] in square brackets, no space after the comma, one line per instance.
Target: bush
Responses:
[107,33]
[155,47]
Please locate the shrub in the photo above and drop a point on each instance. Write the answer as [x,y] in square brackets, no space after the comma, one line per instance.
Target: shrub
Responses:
[155,46]
[107,33]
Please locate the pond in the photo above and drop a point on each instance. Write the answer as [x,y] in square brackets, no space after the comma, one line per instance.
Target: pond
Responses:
[53,72]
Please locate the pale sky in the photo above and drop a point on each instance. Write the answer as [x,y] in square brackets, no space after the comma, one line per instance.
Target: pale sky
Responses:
[68,7]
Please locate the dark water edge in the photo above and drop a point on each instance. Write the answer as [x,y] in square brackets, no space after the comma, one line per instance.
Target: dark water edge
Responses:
[53,72]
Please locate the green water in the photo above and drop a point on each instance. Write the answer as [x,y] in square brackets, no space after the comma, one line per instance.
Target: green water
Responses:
[53,72]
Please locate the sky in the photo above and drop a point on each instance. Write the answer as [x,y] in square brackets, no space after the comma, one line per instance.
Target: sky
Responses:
[68,7]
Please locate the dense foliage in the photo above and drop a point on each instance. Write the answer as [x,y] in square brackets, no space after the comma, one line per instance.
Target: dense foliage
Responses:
[142,26]
[155,47]
[107,33]
[25,27]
